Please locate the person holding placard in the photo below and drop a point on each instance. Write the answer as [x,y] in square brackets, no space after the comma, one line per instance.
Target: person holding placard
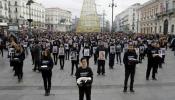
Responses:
[67,50]
[84,79]
[130,61]
[112,51]
[74,58]
[55,52]
[118,52]
[62,56]
[153,60]
[18,60]
[100,52]
[94,48]
[46,69]
[86,53]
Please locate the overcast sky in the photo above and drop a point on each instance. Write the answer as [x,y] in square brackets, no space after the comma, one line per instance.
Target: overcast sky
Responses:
[75,5]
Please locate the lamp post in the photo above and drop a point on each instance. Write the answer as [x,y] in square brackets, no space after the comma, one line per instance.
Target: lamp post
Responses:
[30,20]
[112,6]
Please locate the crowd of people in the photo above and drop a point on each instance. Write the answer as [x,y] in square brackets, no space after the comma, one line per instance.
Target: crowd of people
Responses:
[48,50]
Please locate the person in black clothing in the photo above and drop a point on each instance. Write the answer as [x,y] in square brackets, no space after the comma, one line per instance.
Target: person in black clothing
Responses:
[118,52]
[84,78]
[55,52]
[111,55]
[100,52]
[1,47]
[37,55]
[130,62]
[153,60]
[74,58]
[94,47]
[18,61]
[46,69]
[67,51]
[87,53]
[62,56]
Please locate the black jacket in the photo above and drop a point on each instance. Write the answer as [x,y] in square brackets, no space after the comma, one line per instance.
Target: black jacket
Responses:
[84,73]
[127,58]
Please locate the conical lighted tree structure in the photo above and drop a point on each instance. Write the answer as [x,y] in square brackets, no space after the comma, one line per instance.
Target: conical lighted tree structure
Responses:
[89,21]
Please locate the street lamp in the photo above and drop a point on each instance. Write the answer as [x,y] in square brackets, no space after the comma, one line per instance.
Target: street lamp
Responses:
[30,20]
[112,6]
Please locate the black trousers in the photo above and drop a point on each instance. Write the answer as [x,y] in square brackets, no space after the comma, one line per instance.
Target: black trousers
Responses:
[153,67]
[37,65]
[67,54]
[55,57]
[141,57]
[32,57]
[86,91]
[129,72]
[74,63]
[62,62]
[118,56]
[19,69]
[101,67]
[47,76]
[2,52]
[95,59]
[106,53]
[111,60]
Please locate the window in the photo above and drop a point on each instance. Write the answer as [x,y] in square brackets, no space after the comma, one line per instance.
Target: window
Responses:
[16,10]
[172,28]
[16,3]
[160,29]
[173,4]
[1,4]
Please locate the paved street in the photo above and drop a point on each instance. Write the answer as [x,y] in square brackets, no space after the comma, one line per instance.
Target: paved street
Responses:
[64,86]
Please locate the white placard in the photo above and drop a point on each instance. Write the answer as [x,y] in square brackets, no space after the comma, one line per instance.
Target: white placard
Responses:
[163,51]
[55,49]
[73,55]
[86,52]
[66,46]
[101,55]
[112,49]
[94,49]
[61,51]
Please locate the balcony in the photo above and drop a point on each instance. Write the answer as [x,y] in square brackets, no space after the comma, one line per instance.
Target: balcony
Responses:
[166,13]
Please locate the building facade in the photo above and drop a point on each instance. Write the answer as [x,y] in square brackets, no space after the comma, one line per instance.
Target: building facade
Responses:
[19,13]
[103,23]
[127,21]
[4,14]
[58,20]
[157,16]
[75,23]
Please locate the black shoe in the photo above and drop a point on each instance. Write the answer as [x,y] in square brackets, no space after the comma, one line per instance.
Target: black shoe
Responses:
[19,80]
[131,90]
[34,70]
[46,94]
[103,74]
[124,90]
[147,79]
[155,79]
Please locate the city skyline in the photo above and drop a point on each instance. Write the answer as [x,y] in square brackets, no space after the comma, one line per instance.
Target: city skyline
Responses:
[101,5]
